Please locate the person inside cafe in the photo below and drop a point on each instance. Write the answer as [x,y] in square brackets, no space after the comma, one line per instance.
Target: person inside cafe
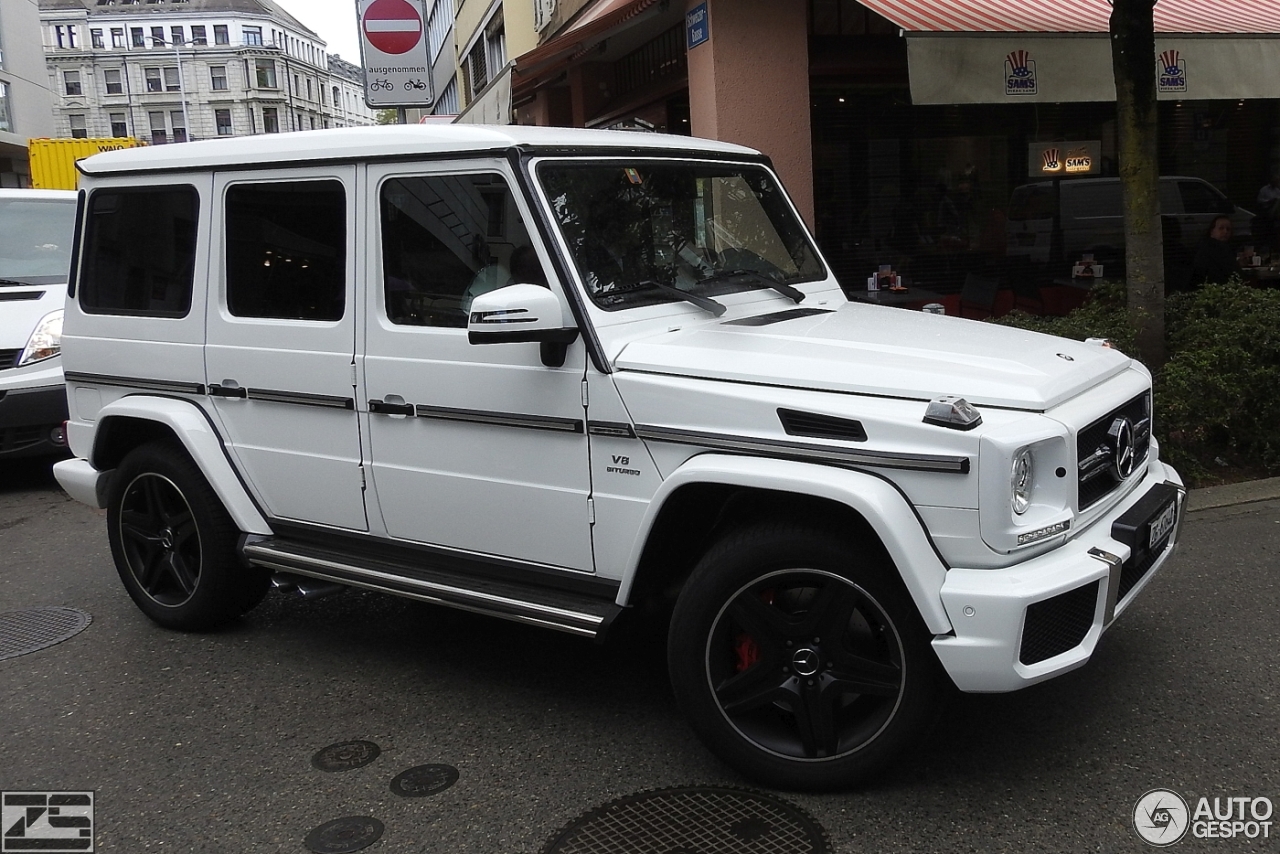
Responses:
[1215,259]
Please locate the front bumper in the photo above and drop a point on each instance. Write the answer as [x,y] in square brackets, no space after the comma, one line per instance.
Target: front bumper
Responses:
[31,421]
[1041,618]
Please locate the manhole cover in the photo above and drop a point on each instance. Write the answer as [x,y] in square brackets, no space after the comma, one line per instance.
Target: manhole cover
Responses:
[26,631]
[345,755]
[701,819]
[344,835]
[423,780]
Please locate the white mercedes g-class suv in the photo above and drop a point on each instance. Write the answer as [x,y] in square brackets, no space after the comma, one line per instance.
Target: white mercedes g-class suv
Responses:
[552,374]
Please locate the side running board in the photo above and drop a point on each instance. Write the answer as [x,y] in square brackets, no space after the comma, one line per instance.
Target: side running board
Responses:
[583,614]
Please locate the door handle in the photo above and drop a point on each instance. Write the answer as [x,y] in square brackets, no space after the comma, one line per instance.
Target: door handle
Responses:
[382,407]
[217,390]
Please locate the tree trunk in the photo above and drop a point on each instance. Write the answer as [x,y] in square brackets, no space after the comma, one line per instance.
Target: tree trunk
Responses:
[1133,58]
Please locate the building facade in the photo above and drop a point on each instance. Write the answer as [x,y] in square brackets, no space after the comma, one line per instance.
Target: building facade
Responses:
[167,71]
[25,101]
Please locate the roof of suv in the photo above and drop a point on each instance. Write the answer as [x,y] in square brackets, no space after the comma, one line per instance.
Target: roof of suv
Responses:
[391,141]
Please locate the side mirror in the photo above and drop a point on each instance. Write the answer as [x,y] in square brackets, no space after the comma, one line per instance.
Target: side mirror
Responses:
[522,313]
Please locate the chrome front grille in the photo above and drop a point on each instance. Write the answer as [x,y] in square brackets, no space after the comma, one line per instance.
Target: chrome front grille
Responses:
[1101,452]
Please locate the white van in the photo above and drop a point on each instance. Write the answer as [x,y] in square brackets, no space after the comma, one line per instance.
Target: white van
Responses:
[1092,217]
[36,231]
[558,375]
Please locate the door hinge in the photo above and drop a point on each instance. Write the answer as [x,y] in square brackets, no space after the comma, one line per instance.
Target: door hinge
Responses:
[584,395]
[353,374]
[363,483]
[591,511]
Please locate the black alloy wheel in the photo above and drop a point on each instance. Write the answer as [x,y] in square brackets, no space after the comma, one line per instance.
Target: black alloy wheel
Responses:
[799,660]
[174,544]
[160,539]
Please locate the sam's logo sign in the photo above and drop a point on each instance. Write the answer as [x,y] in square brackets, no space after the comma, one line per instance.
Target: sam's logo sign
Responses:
[1171,72]
[1019,73]
[1079,160]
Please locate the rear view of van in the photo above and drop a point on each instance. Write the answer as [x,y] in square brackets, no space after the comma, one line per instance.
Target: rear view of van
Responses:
[1091,216]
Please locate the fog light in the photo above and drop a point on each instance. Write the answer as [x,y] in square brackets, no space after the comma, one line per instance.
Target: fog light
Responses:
[58,435]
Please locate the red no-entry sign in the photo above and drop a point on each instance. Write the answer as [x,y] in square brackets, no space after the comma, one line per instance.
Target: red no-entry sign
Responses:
[392,26]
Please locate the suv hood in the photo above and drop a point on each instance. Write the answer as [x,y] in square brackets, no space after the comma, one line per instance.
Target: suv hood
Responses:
[888,352]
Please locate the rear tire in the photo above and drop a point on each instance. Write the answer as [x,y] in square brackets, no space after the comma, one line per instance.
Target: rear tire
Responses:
[800,660]
[174,544]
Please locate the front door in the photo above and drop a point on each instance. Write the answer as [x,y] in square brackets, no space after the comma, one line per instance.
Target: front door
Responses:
[281,340]
[479,449]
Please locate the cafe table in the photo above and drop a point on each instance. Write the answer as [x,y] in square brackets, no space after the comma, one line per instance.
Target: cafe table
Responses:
[910,298]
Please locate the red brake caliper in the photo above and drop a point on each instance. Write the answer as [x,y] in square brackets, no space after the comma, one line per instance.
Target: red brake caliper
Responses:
[745,646]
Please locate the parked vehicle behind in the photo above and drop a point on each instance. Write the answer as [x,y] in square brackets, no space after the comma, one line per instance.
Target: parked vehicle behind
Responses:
[36,231]
[554,375]
[1091,217]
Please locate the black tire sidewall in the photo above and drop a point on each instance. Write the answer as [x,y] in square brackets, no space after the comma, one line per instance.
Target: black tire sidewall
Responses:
[746,555]
[225,588]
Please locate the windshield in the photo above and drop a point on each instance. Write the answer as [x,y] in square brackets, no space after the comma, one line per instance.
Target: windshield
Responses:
[35,239]
[656,231]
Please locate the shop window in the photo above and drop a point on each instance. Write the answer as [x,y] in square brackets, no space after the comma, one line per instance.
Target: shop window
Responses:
[140,251]
[286,250]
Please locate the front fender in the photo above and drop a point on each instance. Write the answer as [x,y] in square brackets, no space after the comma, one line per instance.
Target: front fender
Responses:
[191,426]
[877,500]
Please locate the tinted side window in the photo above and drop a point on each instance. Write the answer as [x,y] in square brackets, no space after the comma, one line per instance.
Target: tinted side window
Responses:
[447,239]
[139,253]
[287,250]
[1200,198]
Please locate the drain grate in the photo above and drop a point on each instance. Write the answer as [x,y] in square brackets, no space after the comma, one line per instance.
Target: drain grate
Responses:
[344,835]
[702,819]
[345,755]
[422,780]
[34,629]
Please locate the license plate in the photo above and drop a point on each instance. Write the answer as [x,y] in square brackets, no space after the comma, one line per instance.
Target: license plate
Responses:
[1163,523]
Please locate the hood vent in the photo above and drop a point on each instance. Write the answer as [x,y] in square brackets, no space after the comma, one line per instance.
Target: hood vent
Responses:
[776,317]
[14,296]
[814,426]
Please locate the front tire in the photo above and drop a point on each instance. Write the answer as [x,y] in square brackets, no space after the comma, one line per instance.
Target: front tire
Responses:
[800,660]
[174,544]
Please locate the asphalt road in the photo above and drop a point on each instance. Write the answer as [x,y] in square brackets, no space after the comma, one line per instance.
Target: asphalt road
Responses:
[204,742]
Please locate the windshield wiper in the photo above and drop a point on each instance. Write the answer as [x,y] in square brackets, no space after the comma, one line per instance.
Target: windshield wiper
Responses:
[786,290]
[702,302]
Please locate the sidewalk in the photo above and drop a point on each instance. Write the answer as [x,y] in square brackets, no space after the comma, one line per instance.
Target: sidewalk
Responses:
[1234,493]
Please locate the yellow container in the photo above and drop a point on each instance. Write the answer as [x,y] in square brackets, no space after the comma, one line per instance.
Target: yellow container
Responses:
[53,161]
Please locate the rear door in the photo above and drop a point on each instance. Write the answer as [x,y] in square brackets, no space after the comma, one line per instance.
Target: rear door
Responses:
[281,340]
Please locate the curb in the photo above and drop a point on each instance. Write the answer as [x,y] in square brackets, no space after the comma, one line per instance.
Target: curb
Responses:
[1233,493]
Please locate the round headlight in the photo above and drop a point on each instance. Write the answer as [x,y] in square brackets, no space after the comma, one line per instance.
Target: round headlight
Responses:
[1020,481]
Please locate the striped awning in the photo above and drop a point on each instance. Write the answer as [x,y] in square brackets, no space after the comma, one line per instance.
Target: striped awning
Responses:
[1183,17]
[1017,51]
